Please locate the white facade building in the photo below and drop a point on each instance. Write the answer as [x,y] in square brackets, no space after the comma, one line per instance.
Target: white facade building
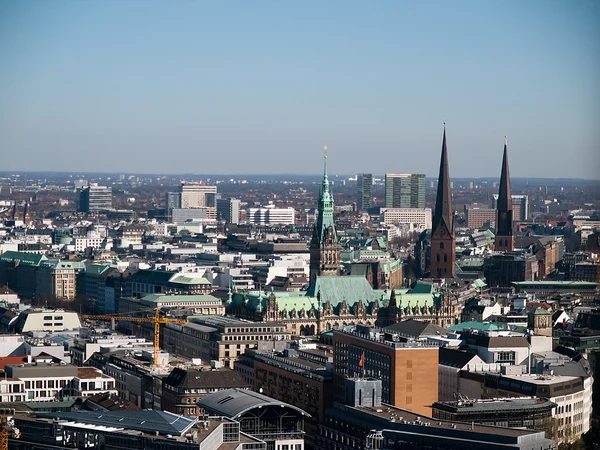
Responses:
[418,219]
[271,216]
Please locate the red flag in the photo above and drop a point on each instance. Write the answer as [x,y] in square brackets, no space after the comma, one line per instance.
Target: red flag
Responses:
[361,361]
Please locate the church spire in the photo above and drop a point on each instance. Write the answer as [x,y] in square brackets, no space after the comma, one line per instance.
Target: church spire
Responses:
[443,244]
[504,220]
[443,203]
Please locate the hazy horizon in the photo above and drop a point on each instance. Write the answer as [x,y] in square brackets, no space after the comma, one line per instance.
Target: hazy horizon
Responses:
[257,88]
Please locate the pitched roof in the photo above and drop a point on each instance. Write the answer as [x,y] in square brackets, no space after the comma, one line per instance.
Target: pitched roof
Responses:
[233,403]
[147,421]
[31,259]
[417,328]
[336,289]
[455,358]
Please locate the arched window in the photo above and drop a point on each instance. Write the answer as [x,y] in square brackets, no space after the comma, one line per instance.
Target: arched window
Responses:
[445,257]
[438,257]
[441,246]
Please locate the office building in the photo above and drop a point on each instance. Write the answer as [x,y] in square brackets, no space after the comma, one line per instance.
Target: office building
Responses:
[271,215]
[404,190]
[173,201]
[572,396]
[228,209]
[443,240]
[527,412]
[364,183]
[95,198]
[222,339]
[418,219]
[480,217]
[55,280]
[196,195]
[408,370]
[363,421]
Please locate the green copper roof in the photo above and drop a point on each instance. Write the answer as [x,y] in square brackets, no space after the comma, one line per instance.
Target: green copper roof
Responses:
[483,326]
[30,259]
[96,269]
[337,289]
[422,287]
[184,279]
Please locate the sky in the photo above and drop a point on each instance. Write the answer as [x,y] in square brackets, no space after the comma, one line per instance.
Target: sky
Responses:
[247,87]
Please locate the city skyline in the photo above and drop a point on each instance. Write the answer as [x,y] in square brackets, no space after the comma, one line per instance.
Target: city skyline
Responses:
[165,90]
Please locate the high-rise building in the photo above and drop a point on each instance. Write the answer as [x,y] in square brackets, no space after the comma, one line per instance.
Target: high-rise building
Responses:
[443,242]
[228,209]
[325,251]
[173,201]
[365,191]
[196,195]
[408,370]
[404,190]
[95,198]
[505,239]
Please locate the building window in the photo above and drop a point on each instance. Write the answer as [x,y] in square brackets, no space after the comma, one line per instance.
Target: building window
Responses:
[441,246]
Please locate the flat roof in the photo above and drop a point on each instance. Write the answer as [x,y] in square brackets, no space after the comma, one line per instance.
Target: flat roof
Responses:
[402,416]
[508,404]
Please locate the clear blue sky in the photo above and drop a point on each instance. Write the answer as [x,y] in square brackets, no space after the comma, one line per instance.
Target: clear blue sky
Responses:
[260,86]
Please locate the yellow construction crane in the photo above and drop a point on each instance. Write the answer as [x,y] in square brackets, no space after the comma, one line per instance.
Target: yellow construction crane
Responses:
[155,319]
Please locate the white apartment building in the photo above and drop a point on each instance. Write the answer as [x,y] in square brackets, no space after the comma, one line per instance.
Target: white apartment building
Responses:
[12,390]
[270,215]
[81,243]
[418,219]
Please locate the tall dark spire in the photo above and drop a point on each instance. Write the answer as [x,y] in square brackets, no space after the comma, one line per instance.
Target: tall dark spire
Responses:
[504,219]
[443,244]
[443,203]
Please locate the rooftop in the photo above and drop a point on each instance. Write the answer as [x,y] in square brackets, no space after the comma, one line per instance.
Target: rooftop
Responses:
[505,404]
[233,403]
[147,421]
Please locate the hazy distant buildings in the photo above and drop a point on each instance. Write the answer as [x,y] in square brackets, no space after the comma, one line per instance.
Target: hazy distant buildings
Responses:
[196,195]
[228,209]
[364,182]
[95,198]
[173,201]
[404,190]
[270,215]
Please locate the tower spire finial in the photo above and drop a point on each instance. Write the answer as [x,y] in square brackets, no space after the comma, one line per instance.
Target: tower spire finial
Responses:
[505,141]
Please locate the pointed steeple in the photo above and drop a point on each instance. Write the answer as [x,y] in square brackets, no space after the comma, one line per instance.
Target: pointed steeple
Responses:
[443,203]
[504,196]
[504,219]
[325,207]
[443,244]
